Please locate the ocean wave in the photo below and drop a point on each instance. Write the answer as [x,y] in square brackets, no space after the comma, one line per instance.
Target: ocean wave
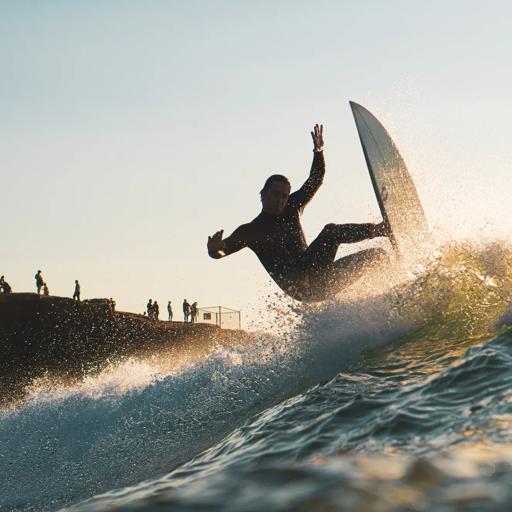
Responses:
[410,330]
[355,444]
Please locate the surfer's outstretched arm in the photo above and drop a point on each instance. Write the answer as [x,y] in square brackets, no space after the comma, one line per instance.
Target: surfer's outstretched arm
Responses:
[316,176]
[219,247]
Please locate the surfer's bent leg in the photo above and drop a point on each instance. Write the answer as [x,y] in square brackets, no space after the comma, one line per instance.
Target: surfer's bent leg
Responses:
[322,250]
[349,269]
[353,263]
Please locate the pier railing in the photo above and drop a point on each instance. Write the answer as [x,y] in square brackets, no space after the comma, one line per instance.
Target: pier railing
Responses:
[225,318]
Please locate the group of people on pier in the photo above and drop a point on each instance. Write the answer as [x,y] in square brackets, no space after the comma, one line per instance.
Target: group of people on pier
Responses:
[41,286]
[190,311]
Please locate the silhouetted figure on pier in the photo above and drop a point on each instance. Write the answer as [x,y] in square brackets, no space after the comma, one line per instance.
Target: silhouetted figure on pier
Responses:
[193,313]
[169,310]
[39,281]
[4,286]
[186,310]
[46,291]
[76,295]
[153,309]
[112,304]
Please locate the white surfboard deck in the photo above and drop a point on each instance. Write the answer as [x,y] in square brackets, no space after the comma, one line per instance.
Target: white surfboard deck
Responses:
[396,194]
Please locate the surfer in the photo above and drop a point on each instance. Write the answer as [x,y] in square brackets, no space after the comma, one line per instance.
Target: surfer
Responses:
[307,273]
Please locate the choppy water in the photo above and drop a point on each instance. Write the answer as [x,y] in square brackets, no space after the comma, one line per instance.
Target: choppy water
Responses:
[399,400]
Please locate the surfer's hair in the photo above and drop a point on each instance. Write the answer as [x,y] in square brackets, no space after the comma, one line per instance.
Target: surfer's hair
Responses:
[271,179]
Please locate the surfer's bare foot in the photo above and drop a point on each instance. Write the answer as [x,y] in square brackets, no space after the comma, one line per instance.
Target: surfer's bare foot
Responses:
[381,229]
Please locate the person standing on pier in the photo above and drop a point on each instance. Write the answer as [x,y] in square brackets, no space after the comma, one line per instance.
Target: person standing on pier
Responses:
[186,310]
[39,281]
[76,295]
[169,310]
[156,311]
[193,313]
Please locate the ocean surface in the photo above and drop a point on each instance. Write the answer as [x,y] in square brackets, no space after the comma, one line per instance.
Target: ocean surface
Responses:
[395,397]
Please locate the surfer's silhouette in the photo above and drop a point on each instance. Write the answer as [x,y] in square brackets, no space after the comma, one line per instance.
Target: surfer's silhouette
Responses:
[307,273]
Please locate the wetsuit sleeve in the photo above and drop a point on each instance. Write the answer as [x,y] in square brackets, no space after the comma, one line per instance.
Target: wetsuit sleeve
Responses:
[233,243]
[316,176]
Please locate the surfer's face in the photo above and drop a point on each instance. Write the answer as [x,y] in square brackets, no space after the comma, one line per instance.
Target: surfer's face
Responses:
[275,198]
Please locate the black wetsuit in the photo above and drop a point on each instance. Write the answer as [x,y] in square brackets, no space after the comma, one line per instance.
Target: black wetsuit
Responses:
[305,272]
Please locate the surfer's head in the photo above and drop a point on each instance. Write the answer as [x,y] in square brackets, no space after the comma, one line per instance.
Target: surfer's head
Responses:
[274,194]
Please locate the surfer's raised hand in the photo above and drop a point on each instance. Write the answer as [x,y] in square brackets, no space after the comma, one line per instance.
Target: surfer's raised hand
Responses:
[318,138]
[215,243]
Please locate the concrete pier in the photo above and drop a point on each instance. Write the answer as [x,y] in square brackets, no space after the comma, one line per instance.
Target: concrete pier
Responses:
[57,337]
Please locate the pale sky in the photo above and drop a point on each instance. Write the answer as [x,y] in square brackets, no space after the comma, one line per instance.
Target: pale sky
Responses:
[130,130]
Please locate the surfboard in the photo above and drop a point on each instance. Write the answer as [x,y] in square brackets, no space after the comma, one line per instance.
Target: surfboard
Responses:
[396,194]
